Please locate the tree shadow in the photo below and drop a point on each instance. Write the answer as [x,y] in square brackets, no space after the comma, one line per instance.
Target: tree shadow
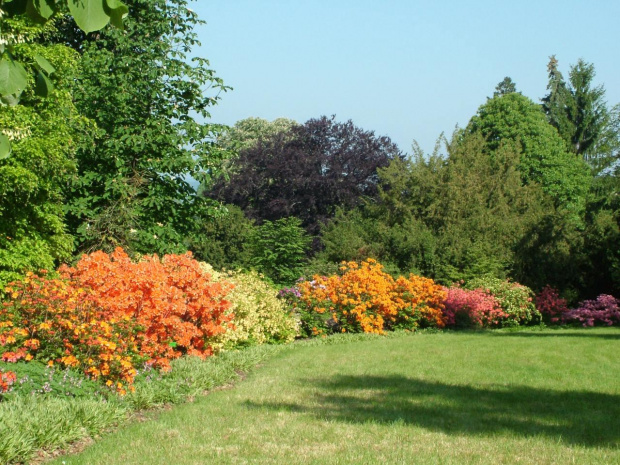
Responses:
[560,333]
[573,417]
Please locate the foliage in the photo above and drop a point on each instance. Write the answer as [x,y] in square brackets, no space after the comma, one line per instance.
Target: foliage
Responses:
[258,316]
[7,379]
[223,241]
[36,378]
[135,185]
[307,172]
[249,132]
[515,300]
[506,86]
[89,15]
[551,306]
[448,217]
[471,308]
[576,109]
[602,311]
[45,133]
[514,119]
[108,314]
[363,298]
[278,249]
[31,423]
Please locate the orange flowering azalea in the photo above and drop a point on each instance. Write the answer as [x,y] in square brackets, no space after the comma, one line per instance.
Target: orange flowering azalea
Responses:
[363,298]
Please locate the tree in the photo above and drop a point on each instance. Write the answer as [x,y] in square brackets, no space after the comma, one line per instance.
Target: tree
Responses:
[89,15]
[507,86]
[307,172]
[514,119]
[45,133]
[134,187]
[248,132]
[576,109]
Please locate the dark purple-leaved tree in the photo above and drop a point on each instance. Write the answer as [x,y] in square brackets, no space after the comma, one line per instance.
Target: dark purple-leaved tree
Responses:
[307,172]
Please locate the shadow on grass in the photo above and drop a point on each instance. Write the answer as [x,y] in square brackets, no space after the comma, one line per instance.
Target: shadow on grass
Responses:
[560,333]
[584,418]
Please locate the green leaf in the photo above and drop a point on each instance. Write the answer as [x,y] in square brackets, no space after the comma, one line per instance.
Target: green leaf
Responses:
[10,100]
[89,15]
[44,64]
[45,8]
[117,10]
[5,147]
[13,77]
[44,86]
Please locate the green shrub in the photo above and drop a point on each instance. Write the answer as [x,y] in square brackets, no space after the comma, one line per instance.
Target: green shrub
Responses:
[223,241]
[278,249]
[259,316]
[516,300]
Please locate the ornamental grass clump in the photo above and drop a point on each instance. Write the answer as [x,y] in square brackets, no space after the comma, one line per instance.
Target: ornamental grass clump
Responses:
[515,300]
[364,298]
[471,308]
[602,311]
[109,314]
[258,316]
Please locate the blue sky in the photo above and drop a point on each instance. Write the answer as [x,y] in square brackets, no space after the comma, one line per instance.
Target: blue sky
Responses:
[405,69]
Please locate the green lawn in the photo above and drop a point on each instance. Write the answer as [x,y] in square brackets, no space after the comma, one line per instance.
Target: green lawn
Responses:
[538,397]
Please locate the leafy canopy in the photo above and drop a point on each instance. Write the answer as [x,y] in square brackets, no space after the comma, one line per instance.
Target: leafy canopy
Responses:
[137,180]
[307,172]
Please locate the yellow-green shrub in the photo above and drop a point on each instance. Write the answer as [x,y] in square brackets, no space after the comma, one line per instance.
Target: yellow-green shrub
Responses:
[259,316]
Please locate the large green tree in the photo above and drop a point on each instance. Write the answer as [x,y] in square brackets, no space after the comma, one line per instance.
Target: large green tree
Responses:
[449,217]
[136,185]
[45,133]
[515,120]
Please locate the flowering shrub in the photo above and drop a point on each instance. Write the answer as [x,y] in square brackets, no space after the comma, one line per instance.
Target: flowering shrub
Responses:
[258,316]
[602,311]
[551,306]
[465,308]
[7,378]
[108,314]
[516,300]
[363,298]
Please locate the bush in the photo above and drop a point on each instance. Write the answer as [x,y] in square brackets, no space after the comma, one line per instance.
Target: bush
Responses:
[258,316]
[223,241]
[516,300]
[551,306]
[465,308]
[603,311]
[108,314]
[363,298]
[278,249]
[7,378]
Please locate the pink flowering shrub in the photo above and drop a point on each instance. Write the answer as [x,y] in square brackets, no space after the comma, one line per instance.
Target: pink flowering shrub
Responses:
[465,308]
[551,306]
[603,311]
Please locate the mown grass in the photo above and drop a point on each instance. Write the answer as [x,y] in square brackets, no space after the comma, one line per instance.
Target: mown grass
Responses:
[492,397]
[32,423]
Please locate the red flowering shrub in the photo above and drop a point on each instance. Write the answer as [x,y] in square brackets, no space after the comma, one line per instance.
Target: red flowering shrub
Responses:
[603,311]
[7,378]
[516,300]
[363,298]
[108,314]
[551,306]
[464,308]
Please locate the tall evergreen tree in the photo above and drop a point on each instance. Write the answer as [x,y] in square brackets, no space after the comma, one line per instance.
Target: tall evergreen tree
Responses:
[576,108]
